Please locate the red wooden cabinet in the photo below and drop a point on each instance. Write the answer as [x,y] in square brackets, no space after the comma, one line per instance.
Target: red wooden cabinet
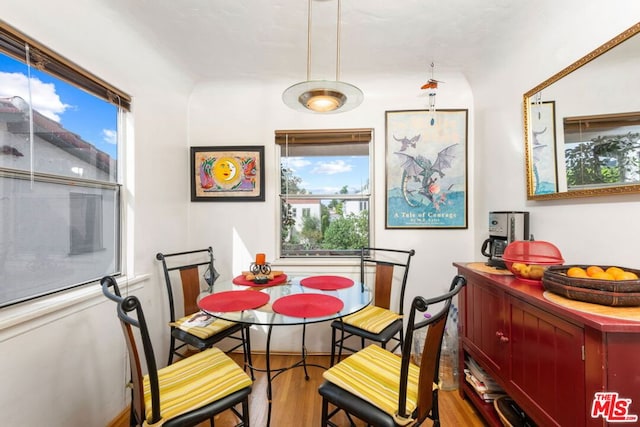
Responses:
[485,323]
[551,360]
[547,369]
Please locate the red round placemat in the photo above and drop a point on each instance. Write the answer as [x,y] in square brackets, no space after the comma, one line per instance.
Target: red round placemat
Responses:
[307,305]
[233,301]
[241,280]
[326,283]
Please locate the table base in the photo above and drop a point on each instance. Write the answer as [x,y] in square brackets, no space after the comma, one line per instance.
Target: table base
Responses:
[272,373]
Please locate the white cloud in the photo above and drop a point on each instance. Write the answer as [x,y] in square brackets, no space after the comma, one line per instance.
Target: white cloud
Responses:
[294,163]
[331,168]
[110,136]
[44,97]
[330,190]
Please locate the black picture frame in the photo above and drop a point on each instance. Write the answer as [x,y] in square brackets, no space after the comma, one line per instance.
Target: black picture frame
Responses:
[426,169]
[227,174]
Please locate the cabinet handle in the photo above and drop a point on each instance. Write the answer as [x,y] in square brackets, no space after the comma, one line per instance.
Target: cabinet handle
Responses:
[502,337]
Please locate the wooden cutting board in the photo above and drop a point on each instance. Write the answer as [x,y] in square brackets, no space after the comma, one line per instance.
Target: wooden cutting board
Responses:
[484,268]
[626,313]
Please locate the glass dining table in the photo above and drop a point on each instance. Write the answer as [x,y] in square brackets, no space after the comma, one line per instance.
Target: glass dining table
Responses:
[285,301]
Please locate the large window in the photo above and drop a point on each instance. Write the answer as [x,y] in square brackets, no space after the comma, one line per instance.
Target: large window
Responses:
[59,187]
[325,193]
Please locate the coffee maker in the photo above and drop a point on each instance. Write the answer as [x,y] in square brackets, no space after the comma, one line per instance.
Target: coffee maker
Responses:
[504,227]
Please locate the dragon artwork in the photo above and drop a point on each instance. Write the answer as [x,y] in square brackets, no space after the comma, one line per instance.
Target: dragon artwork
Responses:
[407,142]
[420,177]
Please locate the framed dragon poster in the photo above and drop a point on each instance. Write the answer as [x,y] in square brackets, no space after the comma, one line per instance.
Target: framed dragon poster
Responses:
[426,169]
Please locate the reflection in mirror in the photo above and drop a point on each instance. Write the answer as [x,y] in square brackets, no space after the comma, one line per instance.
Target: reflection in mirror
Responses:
[601,151]
[582,125]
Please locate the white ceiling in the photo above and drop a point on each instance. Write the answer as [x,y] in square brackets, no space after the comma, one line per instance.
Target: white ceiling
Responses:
[267,39]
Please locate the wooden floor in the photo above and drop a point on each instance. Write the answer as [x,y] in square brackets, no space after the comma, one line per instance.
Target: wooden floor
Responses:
[296,402]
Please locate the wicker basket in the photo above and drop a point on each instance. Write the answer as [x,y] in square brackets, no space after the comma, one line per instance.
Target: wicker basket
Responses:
[614,293]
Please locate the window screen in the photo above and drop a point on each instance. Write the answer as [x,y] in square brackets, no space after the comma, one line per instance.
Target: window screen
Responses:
[59,187]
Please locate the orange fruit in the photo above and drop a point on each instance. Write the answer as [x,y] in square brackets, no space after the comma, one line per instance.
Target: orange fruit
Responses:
[593,269]
[614,271]
[627,275]
[536,272]
[602,275]
[577,272]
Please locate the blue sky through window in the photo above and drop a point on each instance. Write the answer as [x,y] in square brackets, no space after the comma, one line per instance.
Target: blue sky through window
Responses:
[77,111]
[328,174]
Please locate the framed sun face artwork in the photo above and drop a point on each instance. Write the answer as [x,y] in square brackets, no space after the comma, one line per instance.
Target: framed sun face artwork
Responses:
[426,169]
[227,174]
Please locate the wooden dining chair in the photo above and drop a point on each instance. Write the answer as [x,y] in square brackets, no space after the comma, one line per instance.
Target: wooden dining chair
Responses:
[186,393]
[193,267]
[381,321]
[388,390]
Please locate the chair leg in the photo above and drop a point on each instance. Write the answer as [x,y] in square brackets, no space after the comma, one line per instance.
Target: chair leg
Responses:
[325,412]
[172,349]
[333,346]
[245,412]
[352,423]
[246,337]
[435,413]
[132,413]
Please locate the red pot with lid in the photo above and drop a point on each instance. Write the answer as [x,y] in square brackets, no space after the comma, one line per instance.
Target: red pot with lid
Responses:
[528,259]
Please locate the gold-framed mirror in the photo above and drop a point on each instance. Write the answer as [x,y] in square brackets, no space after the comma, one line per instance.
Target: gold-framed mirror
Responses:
[582,125]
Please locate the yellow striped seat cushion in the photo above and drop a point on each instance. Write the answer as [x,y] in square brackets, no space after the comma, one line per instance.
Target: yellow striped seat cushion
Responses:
[203,332]
[373,374]
[190,383]
[371,318]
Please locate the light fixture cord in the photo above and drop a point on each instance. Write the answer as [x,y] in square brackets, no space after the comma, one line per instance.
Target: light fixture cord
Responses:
[337,41]
[309,41]
[338,44]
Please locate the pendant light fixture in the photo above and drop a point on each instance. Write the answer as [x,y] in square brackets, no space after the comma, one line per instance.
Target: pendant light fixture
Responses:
[323,96]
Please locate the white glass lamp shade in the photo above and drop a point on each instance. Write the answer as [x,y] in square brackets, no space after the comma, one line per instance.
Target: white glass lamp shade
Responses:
[322,96]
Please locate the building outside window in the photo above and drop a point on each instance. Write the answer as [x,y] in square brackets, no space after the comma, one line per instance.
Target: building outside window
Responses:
[86,231]
[325,192]
[59,187]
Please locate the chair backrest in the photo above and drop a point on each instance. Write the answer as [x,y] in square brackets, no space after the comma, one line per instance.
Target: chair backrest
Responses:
[132,327]
[190,273]
[389,263]
[430,361]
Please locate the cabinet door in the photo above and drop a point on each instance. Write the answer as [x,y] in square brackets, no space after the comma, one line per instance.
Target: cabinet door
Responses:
[485,326]
[547,366]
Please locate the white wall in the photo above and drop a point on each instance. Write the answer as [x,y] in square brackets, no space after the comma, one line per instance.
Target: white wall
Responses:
[218,115]
[600,230]
[68,367]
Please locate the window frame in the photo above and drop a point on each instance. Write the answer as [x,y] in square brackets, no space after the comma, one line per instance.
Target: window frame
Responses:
[18,44]
[329,137]
[22,48]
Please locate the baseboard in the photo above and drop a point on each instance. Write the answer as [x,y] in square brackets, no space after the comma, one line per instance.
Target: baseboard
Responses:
[122,420]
